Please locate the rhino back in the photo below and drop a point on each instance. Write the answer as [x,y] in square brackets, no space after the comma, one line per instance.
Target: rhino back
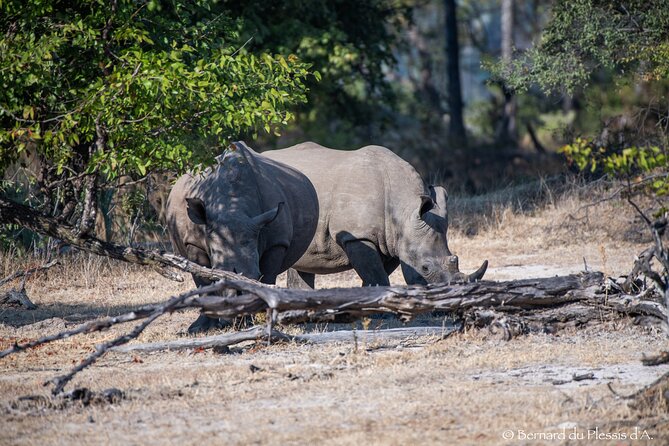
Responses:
[245,182]
[363,194]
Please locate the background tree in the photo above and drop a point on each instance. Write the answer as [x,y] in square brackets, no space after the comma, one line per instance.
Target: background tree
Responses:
[624,45]
[584,36]
[457,134]
[351,43]
[507,131]
[97,90]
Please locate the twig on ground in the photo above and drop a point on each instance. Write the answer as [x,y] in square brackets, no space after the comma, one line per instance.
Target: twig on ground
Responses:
[105,323]
[61,381]
[27,272]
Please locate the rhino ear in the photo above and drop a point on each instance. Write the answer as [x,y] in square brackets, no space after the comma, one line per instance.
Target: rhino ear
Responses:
[426,204]
[439,195]
[196,211]
[267,217]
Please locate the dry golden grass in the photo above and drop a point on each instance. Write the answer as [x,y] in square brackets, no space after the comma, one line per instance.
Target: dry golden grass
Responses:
[466,389]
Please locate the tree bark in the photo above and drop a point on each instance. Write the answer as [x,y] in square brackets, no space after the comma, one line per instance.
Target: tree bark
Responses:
[405,300]
[508,131]
[457,133]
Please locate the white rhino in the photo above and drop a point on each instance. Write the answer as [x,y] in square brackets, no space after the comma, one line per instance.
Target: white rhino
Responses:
[375,214]
[247,214]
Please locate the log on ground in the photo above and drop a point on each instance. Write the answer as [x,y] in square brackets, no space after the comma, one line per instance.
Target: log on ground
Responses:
[259,333]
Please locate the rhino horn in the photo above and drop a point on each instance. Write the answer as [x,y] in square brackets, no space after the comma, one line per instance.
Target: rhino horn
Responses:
[478,274]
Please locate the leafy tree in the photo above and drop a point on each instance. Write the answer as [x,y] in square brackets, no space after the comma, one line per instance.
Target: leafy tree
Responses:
[584,36]
[99,89]
[627,41]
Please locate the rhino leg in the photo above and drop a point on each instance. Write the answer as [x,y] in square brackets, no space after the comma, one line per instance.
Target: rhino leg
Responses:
[390,265]
[367,262]
[203,323]
[300,279]
[270,264]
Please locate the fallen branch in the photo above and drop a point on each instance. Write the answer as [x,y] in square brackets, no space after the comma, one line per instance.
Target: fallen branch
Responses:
[27,272]
[406,301]
[514,299]
[15,213]
[259,333]
[17,296]
[172,304]
[659,252]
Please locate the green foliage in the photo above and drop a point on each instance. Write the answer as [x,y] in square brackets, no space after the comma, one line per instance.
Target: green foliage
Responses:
[128,87]
[628,162]
[584,36]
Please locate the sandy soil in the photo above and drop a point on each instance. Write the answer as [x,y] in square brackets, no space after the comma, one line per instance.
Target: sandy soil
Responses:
[469,388]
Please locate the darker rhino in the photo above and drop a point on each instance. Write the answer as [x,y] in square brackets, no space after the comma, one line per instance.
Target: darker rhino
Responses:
[247,214]
[376,214]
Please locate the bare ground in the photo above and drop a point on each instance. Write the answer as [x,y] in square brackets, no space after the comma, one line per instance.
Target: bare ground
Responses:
[469,388]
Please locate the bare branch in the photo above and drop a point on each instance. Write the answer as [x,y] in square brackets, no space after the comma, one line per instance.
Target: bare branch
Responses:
[259,333]
[586,292]
[12,212]
[28,272]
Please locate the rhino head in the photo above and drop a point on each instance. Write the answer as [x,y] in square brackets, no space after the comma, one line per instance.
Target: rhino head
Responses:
[231,238]
[424,254]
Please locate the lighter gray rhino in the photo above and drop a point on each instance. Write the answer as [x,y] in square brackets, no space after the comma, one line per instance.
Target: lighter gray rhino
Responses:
[376,214]
[247,214]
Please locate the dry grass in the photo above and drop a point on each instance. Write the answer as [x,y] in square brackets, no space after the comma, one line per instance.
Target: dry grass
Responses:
[467,389]
[572,228]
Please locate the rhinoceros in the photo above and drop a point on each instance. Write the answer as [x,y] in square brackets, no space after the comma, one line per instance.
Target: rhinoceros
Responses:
[375,214]
[247,214]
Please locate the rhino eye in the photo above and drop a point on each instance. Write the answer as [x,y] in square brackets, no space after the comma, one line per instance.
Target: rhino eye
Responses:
[425,268]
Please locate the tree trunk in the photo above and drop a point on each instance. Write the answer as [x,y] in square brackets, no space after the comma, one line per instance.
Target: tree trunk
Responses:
[511,297]
[457,134]
[508,131]
[260,333]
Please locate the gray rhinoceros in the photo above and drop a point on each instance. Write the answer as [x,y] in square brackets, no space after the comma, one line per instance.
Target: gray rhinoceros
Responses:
[376,213]
[247,214]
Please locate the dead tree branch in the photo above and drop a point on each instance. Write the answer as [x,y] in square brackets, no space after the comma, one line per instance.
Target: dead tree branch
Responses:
[587,293]
[259,333]
[659,252]
[12,212]
[660,358]
[17,296]
[172,304]
[406,301]
[28,272]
